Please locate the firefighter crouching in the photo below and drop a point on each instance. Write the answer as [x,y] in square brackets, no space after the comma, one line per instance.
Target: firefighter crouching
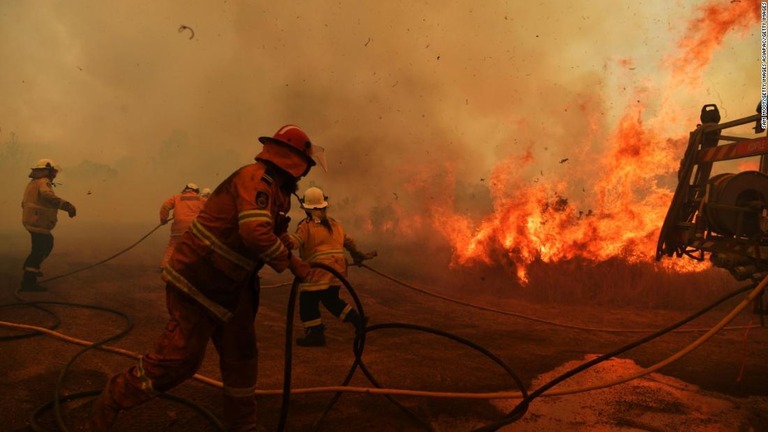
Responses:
[212,285]
[40,208]
[322,239]
[185,206]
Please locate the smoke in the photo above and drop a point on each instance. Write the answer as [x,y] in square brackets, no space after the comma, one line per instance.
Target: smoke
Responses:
[402,94]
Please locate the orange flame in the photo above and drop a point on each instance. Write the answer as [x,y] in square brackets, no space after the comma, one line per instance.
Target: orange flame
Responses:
[705,33]
[537,221]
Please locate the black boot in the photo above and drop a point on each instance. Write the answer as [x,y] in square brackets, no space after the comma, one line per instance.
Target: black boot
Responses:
[354,318]
[313,337]
[29,283]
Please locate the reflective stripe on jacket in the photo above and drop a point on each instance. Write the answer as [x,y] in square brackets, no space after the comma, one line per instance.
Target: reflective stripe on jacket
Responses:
[40,206]
[230,238]
[316,244]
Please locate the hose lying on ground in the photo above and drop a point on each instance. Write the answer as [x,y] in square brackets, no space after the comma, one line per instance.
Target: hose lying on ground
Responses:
[358,346]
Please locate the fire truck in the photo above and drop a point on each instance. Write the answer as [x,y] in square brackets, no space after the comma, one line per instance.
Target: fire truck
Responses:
[723,215]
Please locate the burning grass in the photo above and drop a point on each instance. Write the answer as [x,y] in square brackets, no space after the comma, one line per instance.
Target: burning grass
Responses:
[577,281]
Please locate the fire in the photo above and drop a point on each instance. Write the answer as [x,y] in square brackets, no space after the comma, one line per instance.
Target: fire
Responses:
[537,220]
[705,33]
[619,215]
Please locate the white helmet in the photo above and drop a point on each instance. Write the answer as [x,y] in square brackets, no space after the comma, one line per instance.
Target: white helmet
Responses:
[206,192]
[46,164]
[192,186]
[314,199]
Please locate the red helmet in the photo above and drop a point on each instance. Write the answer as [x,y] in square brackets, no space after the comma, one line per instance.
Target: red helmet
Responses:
[298,160]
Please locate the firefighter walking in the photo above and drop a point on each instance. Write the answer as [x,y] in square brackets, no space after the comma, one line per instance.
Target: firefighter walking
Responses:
[212,285]
[40,208]
[185,207]
[321,239]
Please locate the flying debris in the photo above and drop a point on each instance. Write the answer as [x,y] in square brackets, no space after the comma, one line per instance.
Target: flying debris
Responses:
[367,42]
[191,32]
[395,194]
[564,160]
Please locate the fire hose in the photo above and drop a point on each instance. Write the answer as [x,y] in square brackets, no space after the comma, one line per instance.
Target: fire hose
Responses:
[531,318]
[514,414]
[57,320]
[358,346]
[110,258]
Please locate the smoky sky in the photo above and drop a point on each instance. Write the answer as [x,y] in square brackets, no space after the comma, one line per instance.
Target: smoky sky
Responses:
[132,107]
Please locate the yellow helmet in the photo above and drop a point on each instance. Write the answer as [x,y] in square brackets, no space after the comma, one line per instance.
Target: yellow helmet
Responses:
[314,199]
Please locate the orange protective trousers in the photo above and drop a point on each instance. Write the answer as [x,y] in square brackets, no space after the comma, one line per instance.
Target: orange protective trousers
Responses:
[178,354]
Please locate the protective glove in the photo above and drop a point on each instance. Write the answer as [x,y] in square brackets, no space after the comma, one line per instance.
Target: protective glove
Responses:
[163,221]
[286,239]
[298,268]
[282,222]
[359,257]
[69,208]
[371,255]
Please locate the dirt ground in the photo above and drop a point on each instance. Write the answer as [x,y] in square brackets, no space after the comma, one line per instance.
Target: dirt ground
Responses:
[721,386]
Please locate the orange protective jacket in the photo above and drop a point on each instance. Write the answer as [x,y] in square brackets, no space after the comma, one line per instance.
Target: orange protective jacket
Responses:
[316,244]
[185,206]
[40,206]
[231,237]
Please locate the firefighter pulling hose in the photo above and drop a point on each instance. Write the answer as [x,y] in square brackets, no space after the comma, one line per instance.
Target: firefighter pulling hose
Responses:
[321,239]
[212,284]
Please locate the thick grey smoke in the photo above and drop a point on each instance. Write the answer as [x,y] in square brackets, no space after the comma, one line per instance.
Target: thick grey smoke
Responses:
[133,107]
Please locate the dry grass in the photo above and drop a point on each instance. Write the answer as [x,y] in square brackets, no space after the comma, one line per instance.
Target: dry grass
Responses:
[609,283]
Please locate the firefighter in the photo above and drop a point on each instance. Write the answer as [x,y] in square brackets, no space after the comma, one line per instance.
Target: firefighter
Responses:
[40,207]
[205,193]
[212,284]
[185,206]
[322,239]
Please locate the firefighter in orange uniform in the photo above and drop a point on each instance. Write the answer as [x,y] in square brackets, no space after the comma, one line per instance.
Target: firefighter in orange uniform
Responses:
[322,239]
[212,285]
[185,206]
[40,208]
